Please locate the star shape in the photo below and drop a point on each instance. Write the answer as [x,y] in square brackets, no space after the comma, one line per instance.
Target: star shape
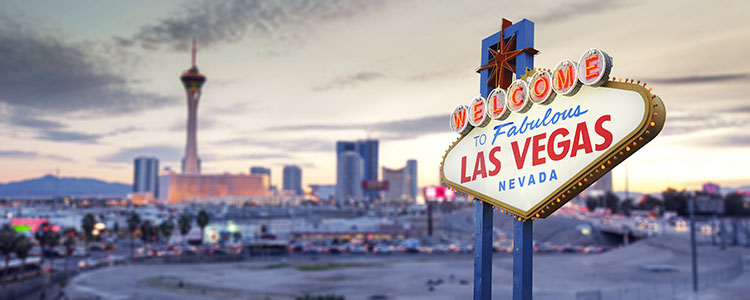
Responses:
[501,69]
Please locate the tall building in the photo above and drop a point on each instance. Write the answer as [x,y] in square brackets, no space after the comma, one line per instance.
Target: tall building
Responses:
[411,171]
[368,150]
[193,81]
[398,184]
[262,170]
[293,179]
[146,175]
[349,173]
[368,154]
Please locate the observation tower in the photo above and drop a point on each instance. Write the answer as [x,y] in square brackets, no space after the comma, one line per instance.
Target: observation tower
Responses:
[193,81]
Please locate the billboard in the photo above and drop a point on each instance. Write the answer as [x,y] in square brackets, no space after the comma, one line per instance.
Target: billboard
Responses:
[530,149]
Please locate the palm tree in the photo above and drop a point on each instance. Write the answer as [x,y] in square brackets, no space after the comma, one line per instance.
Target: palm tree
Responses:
[69,242]
[48,239]
[22,247]
[185,223]
[133,221]
[203,219]
[166,227]
[8,238]
[146,231]
[87,224]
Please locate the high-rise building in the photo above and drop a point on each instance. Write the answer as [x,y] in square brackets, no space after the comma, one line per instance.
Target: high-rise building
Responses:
[146,175]
[293,179]
[398,184]
[368,154]
[349,173]
[368,150]
[411,171]
[193,81]
[262,170]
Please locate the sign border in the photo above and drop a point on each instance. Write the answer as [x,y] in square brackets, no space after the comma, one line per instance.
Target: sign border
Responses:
[651,124]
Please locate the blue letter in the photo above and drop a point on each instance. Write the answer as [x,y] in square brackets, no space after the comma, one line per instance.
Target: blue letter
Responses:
[498,132]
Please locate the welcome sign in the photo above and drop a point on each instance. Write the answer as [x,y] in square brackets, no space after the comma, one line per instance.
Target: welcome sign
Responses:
[533,147]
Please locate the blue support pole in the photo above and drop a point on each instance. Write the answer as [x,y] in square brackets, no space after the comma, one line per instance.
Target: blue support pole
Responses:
[483,251]
[523,251]
[523,263]
[522,232]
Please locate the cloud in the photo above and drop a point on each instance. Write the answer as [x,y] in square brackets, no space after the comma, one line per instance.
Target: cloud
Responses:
[574,10]
[31,155]
[43,73]
[32,122]
[246,156]
[126,155]
[702,79]
[283,146]
[68,136]
[232,109]
[348,81]
[387,130]
[684,123]
[204,123]
[214,22]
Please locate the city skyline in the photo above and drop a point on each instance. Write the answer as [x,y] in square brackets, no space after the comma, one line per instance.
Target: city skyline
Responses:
[122,100]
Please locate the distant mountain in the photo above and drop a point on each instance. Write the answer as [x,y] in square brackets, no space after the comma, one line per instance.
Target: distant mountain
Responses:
[66,186]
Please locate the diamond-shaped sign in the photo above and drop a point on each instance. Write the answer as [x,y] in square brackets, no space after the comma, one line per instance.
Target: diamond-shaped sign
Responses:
[534,159]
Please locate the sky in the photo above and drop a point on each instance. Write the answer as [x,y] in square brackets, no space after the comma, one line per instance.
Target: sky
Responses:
[86,86]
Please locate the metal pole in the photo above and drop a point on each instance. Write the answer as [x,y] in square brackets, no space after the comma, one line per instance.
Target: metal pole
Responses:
[691,207]
[429,218]
[522,259]
[483,251]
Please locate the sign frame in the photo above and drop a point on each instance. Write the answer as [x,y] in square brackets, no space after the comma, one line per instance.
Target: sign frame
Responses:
[651,124]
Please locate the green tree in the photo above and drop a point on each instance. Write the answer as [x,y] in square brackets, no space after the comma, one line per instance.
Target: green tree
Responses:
[87,224]
[8,239]
[22,247]
[134,220]
[612,201]
[69,242]
[185,223]
[734,205]
[146,231]
[48,240]
[203,219]
[166,227]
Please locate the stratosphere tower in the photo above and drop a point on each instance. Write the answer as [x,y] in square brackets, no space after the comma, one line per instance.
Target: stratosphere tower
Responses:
[193,81]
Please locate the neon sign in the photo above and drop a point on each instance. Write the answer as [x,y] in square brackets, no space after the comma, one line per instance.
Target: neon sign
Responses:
[552,133]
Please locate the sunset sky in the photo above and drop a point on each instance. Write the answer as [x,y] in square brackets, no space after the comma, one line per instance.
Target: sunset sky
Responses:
[86,86]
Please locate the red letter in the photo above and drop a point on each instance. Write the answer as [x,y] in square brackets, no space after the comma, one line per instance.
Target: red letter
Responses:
[464,179]
[494,161]
[496,108]
[565,145]
[563,80]
[513,97]
[536,148]
[601,131]
[520,157]
[537,92]
[459,117]
[478,111]
[581,140]
[479,168]
[589,72]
